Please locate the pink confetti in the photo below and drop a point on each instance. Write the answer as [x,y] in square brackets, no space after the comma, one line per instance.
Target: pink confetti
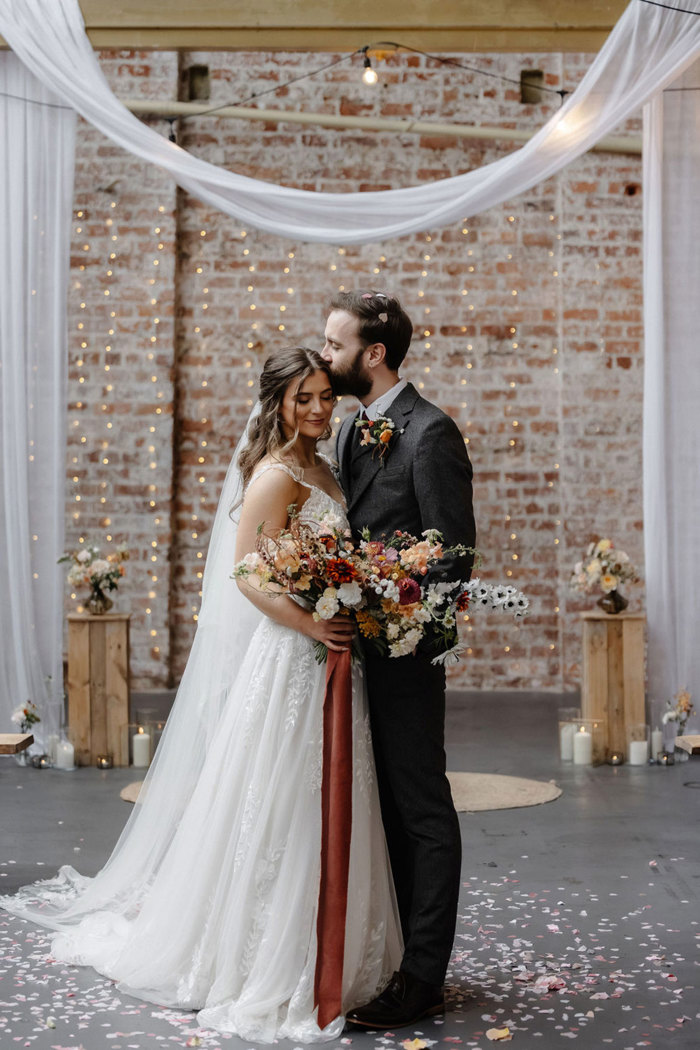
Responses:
[549,984]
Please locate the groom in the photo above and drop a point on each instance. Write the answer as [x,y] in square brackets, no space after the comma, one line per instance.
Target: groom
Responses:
[423,481]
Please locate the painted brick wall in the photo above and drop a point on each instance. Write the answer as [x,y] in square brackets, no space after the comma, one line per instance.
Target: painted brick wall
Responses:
[527,331]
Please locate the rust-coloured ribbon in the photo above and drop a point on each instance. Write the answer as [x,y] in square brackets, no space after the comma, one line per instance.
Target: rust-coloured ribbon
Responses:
[336,826]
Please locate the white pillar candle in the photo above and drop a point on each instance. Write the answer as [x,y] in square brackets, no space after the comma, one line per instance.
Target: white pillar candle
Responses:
[583,747]
[638,753]
[141,748]
[566,741]
[657,742]
[65,755]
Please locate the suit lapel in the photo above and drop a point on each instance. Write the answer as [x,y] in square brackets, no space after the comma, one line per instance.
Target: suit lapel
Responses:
[400,412]
[344,444]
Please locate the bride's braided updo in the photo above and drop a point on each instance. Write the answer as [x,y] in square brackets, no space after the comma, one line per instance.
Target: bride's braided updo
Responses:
[292,364]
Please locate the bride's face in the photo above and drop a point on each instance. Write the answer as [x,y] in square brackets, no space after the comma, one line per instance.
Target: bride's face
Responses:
[307,405]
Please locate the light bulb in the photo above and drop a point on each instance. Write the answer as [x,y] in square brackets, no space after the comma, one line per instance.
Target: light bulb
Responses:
[369,76]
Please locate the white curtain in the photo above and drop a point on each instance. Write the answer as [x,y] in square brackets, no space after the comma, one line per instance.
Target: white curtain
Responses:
[649,47]
[37,146]
[672,388]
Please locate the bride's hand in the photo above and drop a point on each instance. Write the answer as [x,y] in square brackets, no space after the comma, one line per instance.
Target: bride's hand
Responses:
[335,634]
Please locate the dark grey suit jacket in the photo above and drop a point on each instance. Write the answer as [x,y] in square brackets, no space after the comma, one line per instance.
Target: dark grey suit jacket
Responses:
[423,482]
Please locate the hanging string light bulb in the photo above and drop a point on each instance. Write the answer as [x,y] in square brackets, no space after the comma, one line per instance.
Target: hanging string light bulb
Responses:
[369,75]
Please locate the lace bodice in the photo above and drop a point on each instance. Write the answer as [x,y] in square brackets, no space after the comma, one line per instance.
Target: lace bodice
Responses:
[319,501]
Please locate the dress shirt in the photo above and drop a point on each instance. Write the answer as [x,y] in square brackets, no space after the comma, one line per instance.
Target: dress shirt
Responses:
[383,403]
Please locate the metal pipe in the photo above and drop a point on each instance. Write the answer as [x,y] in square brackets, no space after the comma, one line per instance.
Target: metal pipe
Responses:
[146,107]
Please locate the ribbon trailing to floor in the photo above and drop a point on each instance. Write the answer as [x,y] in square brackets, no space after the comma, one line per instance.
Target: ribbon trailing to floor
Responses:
[336,827]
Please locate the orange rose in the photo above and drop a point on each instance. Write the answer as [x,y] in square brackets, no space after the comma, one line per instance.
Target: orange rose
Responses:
[385,436]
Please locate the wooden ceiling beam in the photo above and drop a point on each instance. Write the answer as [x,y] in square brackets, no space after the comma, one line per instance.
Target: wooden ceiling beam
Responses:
[344,25]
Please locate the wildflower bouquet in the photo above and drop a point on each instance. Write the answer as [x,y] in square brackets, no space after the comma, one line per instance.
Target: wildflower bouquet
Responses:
[603,566]
[376,581]
[25,716]
[88,569]
[680,712]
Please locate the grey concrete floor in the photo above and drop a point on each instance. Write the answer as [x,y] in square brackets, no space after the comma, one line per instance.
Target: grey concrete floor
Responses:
[596,893]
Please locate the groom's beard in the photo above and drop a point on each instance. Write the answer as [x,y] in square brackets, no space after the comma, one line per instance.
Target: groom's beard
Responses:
[353,379]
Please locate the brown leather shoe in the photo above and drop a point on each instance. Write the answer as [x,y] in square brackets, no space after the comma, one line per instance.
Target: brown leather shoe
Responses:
[405,1000]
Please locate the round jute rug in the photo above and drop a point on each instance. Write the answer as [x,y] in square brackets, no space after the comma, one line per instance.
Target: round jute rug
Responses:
[475,792]
[472,792]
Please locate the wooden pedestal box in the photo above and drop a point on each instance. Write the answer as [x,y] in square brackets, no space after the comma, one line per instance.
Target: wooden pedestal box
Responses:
[98,686]
[612,691]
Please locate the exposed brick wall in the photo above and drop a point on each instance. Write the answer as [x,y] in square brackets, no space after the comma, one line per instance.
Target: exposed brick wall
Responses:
[120,419]
[545,384]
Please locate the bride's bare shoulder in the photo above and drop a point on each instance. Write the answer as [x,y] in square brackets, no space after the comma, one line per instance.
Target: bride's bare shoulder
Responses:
[273,475]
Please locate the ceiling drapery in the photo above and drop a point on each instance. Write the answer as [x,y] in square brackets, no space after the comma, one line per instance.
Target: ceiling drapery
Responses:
[649,47]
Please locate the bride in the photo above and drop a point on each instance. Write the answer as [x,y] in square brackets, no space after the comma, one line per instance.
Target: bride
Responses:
[209,899]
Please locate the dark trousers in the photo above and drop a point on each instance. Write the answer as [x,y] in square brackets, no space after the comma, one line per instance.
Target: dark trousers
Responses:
[407,712]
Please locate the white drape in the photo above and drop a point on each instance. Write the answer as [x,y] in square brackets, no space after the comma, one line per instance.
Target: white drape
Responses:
[672,387]
[648,48]
[37,147]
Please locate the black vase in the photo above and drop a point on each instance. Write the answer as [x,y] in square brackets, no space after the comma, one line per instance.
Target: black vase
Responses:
[613,602]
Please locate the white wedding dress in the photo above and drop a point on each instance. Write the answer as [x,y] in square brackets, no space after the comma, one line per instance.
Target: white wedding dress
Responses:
[225,920]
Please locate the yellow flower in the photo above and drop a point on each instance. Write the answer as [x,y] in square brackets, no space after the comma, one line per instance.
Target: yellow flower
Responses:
[367,625]
[603,545]
[609,582]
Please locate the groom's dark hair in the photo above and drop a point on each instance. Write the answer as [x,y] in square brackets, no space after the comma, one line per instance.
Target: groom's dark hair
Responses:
[382,319]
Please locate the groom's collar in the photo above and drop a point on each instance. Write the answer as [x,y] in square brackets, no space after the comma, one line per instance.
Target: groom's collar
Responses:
[404,404]
[381,405]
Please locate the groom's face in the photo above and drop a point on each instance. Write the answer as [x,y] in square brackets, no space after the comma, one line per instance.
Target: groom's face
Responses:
[345,354]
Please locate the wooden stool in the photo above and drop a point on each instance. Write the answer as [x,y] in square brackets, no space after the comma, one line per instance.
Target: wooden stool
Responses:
[13,743]
[98,686]
[612,691]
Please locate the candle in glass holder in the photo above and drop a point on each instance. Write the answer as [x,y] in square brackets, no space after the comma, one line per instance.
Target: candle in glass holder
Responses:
[567,732]
[52,744]
[104,762]
[65,755]
[638,744]
[583,747]
[141,748]
[657,742]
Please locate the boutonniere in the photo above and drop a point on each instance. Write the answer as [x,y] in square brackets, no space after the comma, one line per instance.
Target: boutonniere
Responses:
[378,432]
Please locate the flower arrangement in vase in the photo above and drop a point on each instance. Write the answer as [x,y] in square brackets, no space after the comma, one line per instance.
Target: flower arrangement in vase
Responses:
[89,569]
[604,567]
[680,712]
[24,717]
